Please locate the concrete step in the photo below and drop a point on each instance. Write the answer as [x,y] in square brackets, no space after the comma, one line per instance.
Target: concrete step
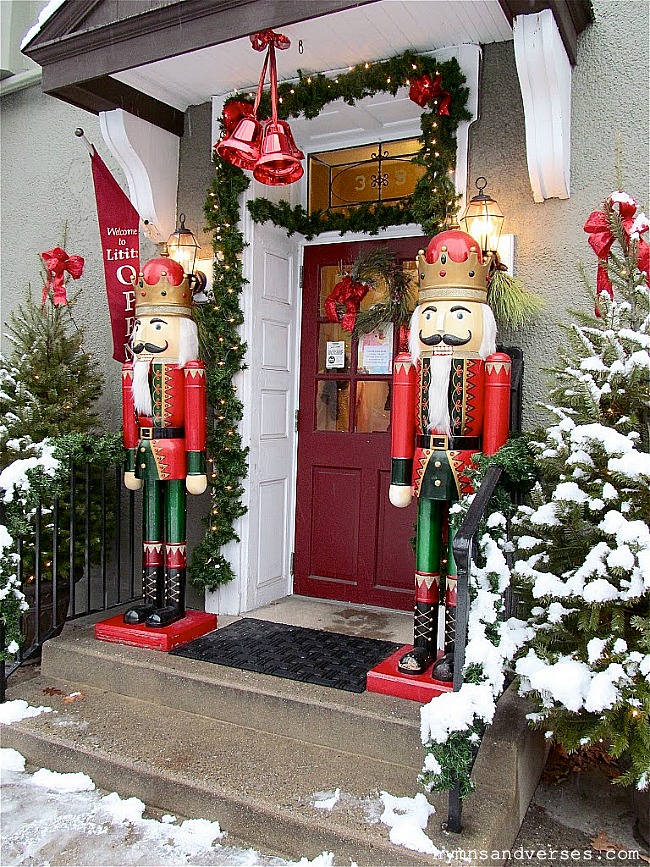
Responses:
[253,752]
[260,786]
[311,713]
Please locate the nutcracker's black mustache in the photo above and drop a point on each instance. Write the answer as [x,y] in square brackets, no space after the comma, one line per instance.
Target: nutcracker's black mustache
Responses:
[149,347]
[448,339]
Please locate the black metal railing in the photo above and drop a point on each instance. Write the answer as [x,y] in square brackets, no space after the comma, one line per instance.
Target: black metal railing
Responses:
[464,548]
[75,561]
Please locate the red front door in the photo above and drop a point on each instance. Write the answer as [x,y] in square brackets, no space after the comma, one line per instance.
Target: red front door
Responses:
[351,544]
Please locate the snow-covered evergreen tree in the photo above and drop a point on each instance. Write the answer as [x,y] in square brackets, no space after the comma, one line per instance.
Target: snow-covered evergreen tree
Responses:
[583,545]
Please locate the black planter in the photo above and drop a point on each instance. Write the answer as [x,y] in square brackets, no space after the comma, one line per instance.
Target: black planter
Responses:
[49,623]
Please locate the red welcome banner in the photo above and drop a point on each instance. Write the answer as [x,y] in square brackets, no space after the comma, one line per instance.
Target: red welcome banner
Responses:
[118,230]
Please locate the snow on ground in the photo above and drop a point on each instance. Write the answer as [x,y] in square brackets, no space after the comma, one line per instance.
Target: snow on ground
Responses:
[48,819]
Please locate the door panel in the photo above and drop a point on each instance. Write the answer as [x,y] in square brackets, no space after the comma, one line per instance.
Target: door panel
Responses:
[351,544]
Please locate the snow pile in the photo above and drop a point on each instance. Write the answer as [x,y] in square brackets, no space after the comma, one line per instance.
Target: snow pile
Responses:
[328,800]
[55,782]
[14,479]
[14,711]
[51,818]
[407,819]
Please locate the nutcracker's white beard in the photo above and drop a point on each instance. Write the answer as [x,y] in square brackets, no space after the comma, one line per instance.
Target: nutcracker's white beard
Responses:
[188,350]
[439,394]
[441,367]
[141,391]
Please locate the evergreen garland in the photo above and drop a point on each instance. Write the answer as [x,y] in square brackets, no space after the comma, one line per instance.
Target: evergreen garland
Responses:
[434,199]
[218,321]
[223,353]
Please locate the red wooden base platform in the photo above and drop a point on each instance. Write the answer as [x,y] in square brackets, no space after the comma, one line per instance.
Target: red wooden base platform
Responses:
[387,679]
[193,625]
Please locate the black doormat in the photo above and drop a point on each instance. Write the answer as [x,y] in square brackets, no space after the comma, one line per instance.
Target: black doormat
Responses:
[293,652]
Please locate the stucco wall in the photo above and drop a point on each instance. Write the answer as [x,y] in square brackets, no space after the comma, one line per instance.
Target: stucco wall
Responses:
[46,184]
[46,181]
[609,118]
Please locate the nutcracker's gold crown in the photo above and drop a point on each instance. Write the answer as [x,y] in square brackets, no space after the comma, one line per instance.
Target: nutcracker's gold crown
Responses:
[452,269]
[162,289]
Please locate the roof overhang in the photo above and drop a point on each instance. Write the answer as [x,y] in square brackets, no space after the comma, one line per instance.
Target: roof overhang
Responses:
[156,62]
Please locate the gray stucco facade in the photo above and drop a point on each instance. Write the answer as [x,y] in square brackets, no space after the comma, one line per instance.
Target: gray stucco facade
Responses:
[47,184]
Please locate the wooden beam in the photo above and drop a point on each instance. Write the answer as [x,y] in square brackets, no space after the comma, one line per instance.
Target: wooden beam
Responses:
[571,16]
[166,31]
[106,93]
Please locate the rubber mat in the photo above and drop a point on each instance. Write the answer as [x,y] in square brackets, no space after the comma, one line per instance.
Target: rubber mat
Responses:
[293,652]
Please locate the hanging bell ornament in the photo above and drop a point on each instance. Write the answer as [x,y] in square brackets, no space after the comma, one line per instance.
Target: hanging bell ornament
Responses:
[241,146]
[279,162]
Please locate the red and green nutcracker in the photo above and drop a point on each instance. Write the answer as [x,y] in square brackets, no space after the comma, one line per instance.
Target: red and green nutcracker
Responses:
[451,399]
[164,419]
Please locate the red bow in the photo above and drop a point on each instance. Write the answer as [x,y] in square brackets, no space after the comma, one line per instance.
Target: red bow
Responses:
[601,239]
[57,262]
[424,89]
[350,294]
[264,38]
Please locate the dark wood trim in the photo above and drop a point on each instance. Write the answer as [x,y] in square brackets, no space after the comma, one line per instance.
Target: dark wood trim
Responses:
[571,16]
[168,31]
[106,93]
[67,19]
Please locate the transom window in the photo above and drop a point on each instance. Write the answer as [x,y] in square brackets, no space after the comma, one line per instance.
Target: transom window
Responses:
[373,173]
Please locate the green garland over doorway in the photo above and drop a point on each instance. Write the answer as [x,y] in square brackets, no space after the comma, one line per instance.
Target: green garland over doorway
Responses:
[432,205]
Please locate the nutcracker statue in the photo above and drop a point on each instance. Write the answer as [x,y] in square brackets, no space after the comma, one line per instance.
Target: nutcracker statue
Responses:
[164,417]
[451,396]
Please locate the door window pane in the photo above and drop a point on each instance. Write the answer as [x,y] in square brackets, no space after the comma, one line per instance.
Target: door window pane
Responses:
[333,405]
[375,351]
[373,406]
[329,277]
[334,348]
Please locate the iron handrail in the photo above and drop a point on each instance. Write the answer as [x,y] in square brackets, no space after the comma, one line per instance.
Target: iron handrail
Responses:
[463,548]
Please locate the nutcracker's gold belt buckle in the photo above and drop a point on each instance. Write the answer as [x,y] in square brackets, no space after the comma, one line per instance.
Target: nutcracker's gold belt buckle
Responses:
[439,441]
[146,433]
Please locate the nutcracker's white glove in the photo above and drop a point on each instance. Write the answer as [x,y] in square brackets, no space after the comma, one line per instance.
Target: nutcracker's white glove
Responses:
[400,495]
[131,482]
[196,484]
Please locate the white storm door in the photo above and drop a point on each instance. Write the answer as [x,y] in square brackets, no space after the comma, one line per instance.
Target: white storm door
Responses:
[271,358]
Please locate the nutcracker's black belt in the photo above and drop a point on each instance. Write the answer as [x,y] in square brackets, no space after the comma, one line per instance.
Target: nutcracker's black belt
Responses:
[162,433]
[440,441]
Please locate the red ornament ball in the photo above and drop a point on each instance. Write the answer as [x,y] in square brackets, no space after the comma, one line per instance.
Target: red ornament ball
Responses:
[153,271]
[234,111]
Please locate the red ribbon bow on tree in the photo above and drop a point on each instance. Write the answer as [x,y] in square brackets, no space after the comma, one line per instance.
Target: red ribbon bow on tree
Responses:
[601,239]
[57,262]
[264,38]
[350,294]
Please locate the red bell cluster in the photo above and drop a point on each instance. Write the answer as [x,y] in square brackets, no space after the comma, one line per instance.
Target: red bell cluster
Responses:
[265,148]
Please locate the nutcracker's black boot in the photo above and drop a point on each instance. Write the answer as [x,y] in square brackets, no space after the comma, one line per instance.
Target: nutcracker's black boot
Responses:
[153,585]
[417,660]
[175,608]
[443,670]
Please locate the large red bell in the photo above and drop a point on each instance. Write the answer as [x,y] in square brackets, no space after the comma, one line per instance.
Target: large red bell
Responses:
[279,161]
[241,147]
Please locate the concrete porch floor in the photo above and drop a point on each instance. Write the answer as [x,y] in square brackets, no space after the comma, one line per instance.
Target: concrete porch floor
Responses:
[361,620]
